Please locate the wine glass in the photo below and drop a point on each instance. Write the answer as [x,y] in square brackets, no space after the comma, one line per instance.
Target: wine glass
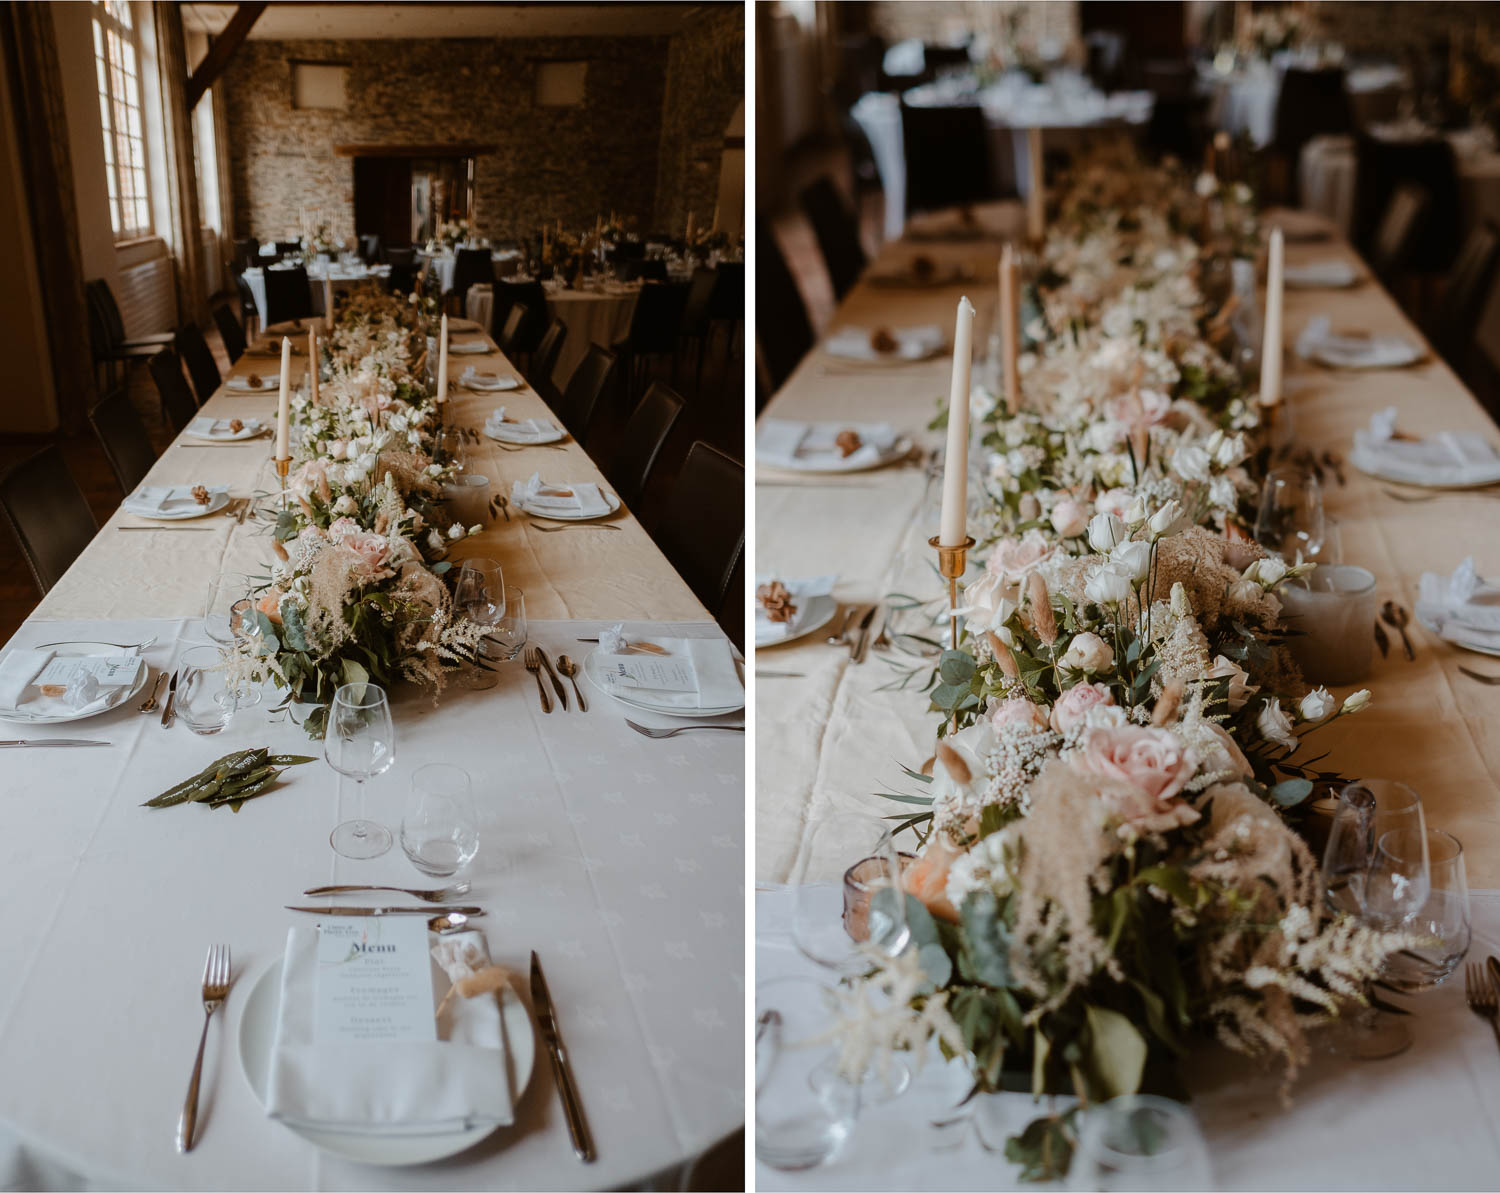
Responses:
[1418,884]
[1140,1142]
[359,742]
[440,831]
[479,592]
[225,591]
[1291,520]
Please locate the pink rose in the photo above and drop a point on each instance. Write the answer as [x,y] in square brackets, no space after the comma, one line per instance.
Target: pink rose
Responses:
[1072,707]
[927,877]
[1138,408]
[1013,559]
[1018,711]
[1114,501]
[342,529]
[1144,769]
[372,550]
[1069,518]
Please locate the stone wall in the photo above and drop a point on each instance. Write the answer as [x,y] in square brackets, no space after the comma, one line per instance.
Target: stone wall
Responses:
[1392,29]
[705,84]
[568,163]
[941,20]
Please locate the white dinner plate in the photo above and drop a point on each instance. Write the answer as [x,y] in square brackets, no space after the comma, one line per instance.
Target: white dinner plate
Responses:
[498,385]
[831,463]
[73,650]
[1321,275]
[555,435]
[463,325]
[609,499]
[216,502]
[819,612]
[469,348]
[270,384]
[592,669]
[250,430]
[258,1037]
[1379,352]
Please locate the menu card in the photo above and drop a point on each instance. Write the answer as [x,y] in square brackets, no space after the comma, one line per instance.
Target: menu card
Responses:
[374,981]
[662,674]
[108,671]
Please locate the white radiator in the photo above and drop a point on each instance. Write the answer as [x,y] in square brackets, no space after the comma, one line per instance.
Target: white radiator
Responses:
[213,265]
[147,298]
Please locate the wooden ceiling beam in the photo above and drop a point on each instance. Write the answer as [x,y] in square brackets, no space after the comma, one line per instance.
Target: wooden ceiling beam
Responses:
[221,51]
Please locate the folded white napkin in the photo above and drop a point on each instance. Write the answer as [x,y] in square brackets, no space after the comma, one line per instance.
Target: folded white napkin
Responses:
[21,669]
[709,661]
[1319,341]
[521,430]
[17,670]
[1464,607]
[1321,274]
[1444,459]
[218,428]
[407,1088]
[783,443]
[468,348]
[575,500]
[802,592]
[268,384]
[495,382]
[167,499]
[912,343]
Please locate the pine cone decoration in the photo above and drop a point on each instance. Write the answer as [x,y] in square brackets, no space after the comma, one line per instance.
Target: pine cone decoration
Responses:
[200,494]
[776,600]
[848,442]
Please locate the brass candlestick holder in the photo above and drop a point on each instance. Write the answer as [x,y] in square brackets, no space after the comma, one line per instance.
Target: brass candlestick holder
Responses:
[951,564]
[283,466]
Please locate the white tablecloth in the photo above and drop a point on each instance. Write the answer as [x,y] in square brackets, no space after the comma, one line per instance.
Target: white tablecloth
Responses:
[503,262]
[617,858]
[343,278]
[1245,101]
[591,318]
[1421,1120]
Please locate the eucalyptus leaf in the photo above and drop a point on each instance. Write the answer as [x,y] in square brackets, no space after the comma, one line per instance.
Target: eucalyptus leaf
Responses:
[1117,1051]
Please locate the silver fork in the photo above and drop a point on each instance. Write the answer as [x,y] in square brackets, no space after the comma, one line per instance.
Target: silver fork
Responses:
[573,526]
[658,734]
[215,990]
[455,891]
[534,665]
[1480,676]
[1481,998]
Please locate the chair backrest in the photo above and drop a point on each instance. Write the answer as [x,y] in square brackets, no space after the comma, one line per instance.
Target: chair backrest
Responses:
[247,297]
[544,359]
[472,266]
[401,256]
[230,332]
[657,317]
[947,156]
[176,398]
[837,233]
[201,366]
[512,329]
[48,514]
[246,252]
[703,529]
[1385,165]
[783,331]
[532,298]
[1466,292]
[287,295]
[1398,226]
[285,247]
[581,397]
[695,309]
[401,279]
[642,270]
[728,300]
[102,299]
[124,439]
[640,441]
[1311,103]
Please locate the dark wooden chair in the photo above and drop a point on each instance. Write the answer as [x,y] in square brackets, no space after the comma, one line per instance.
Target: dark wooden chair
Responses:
[201,366]
[123,436]
[837,233]
[639,444]
[230,332]
[47,513]
[783,332]
[287,296]
[544,361]
[177,399]
[702,530]
[581,397]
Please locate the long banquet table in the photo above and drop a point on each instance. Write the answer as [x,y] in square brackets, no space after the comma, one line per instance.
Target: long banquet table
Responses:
[617,858]
[832,740]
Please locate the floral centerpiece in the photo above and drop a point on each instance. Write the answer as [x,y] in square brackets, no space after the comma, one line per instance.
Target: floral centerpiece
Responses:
[452,233]
[321,242]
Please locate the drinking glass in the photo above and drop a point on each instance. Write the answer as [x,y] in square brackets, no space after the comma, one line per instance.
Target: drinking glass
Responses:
[440,830]
[359,742]
[1140,1142]
[451,447]
[871,922]
[1418,884]
[1291,520]
[509,634]
[804,1109]
[204,700]
[479,592]
[225,592]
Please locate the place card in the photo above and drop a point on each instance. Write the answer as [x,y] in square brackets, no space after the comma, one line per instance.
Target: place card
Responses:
[106,671]
[664,675]
[374,982]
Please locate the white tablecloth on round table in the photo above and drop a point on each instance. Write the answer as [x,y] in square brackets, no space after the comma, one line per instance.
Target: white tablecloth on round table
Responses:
[1245,101]
[1421,1120]
[617,858]
[504,262]
[343,278]
[590,317]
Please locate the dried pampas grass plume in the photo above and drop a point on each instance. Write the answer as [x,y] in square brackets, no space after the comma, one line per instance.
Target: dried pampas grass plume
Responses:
[1007,661]
[1165,711]
[954,763]
[1042,618]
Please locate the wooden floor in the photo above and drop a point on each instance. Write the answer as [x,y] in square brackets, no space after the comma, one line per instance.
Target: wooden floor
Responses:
[715,413]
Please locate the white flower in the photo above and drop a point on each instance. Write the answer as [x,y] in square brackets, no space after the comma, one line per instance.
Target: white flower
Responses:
[397,422]
[1316,705]
[346,505]
[1135,513]
[434,470]
[1274,725]
[1192,463]
[1221,492]
[1267,572]
[1133,559]
[475,529]
[414,438]
[1088,652]
[1244,592]
[1240,687]
[1357,701]
[1206,185]
[1107,586]
[1106,530]
[1163,520]
[456,531]
[1179,602]
[435,540]
[1230,451]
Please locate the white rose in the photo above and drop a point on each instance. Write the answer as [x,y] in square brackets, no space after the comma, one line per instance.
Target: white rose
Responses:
[1244,592]
[455,532]
[345,505]
[1088,652]
[1105,531]
[1230,451]
[1316,705]
[1134,559]
[1267,572]
[1135,513]
[1222,493]
[1191,463]
[397,423]
[1162,521]
[339,449]
[367,462]
[1107,586]
[1274,725]
[1357,701]
[1240,687]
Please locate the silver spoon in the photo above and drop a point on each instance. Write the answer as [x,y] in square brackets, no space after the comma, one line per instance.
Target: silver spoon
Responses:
[569,668]
[149,704]
[837,639]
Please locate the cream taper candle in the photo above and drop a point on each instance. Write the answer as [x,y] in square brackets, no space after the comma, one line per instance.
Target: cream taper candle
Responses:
[1036,190]
[284,403]
[328,298]
[312,361]
[442,377]
[953,532]
[1270,345]
[1010,330]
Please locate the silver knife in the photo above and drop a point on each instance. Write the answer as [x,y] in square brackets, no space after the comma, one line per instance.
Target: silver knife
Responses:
[169,713]
[425,909]
[857,647]
[546,1020]
[552,675]
[869,633]
[44,742]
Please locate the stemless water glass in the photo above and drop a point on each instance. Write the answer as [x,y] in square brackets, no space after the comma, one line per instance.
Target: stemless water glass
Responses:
[359,742]
[1140,1142]
[440,830]
[1418,884]
[847,926]
[1291,520]
[204,700]
[804,1109]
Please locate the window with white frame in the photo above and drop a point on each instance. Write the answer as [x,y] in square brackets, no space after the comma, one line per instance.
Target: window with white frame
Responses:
[117,60]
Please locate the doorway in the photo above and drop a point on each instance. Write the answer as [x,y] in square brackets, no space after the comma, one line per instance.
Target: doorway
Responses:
[403,199]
